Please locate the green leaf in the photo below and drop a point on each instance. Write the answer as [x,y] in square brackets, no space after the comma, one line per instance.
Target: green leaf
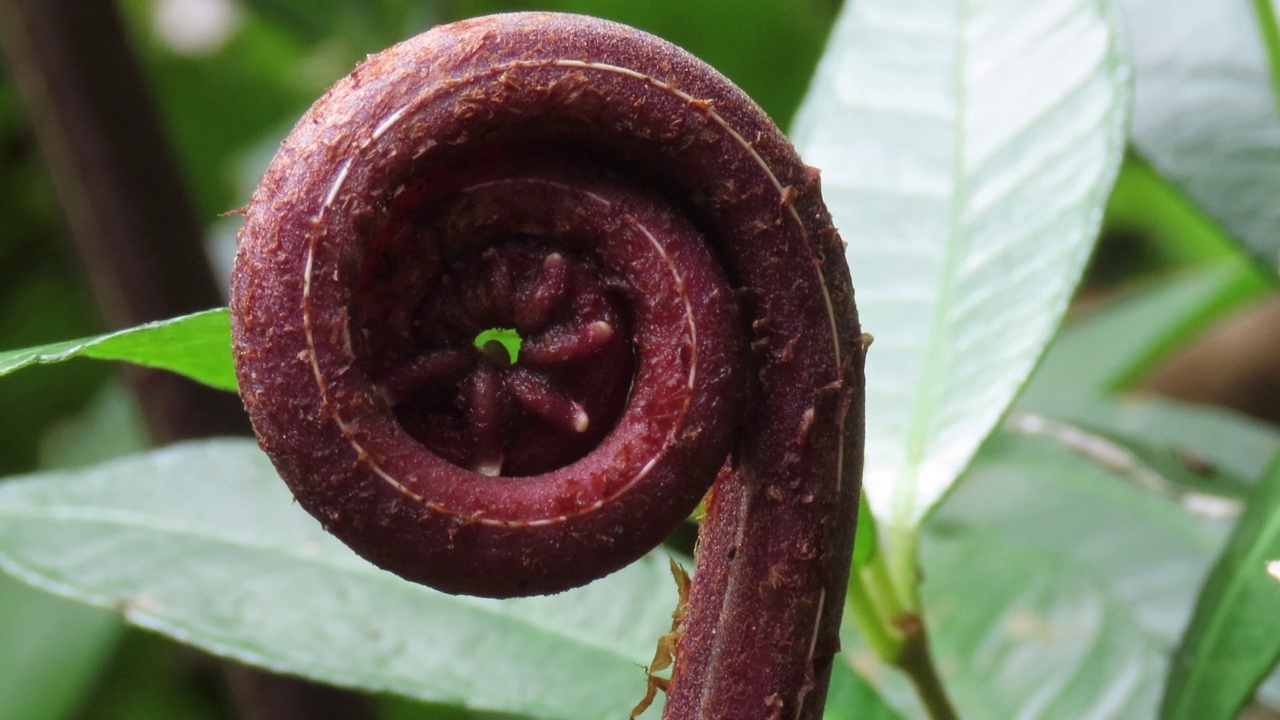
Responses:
[1205,112]
[202,542]
[1047,650]
[53,651]
[197,345]
[1233,640]
[1148,551]
[866,541]
[1054,588]
[967,152]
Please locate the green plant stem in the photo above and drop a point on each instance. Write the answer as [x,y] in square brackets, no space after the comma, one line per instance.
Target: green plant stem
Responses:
[917,662]
[895,631]
[880,588]
[903,550]
[877,629]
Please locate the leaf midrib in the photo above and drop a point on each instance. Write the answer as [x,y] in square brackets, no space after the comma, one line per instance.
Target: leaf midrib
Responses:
[930,387]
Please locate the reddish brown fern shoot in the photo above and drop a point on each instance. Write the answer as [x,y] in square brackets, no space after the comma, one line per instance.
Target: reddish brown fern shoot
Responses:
[686,317]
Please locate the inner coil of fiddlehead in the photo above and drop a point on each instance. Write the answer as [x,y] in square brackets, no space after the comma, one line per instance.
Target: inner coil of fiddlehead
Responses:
[420,203]
[466,252]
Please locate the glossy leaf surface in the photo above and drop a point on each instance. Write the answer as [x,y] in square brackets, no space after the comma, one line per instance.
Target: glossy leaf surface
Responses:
[197,345]
[202,542]
[966,150]
[1054,587]
[1205,110]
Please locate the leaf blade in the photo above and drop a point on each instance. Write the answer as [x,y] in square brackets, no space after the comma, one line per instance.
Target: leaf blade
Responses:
[196,345]
[1054,588]
[1233,640]
[1205,112]
[202,542]
[944,137]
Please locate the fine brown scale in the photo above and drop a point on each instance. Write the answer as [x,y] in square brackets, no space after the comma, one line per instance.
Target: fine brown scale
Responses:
[690,319]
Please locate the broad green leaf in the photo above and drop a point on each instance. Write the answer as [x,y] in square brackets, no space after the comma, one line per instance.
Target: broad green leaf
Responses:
[1142,547]
[1233,640]
[866,543]
[1072,384]
[202,542]
[1055,589]
[1047,650]
[198,346]
[51,651]
[967,150]
[1204,112]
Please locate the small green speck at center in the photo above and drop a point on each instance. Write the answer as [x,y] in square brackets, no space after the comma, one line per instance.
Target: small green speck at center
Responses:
[507,337]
